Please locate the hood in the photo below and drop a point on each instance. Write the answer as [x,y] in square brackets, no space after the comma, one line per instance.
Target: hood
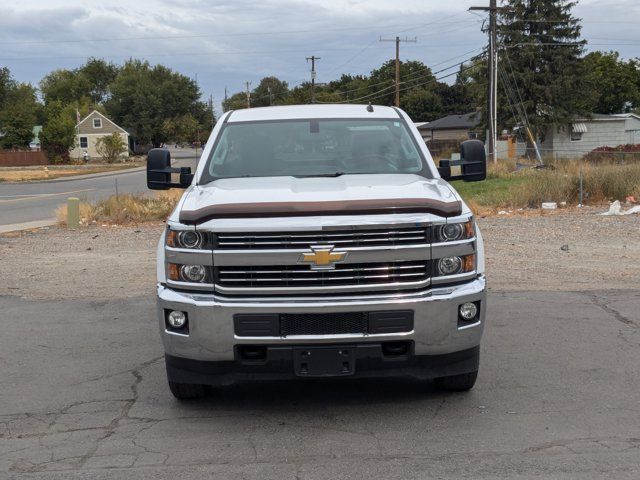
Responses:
[263,197]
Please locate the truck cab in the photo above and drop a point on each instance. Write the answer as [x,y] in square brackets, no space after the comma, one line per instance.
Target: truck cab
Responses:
[319,241]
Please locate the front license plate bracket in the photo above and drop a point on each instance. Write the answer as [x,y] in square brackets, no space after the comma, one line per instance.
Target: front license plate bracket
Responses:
[321,361]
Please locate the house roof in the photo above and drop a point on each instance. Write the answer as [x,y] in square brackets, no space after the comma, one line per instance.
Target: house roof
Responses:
[615,117]
[93,113]
[463,122]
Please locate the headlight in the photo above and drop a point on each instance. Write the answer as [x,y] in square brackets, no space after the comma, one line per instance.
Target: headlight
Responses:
[185,239]
[187,273]
[451,232]
[449,265]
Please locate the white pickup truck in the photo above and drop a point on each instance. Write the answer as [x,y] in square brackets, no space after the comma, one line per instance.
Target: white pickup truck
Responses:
[318,241]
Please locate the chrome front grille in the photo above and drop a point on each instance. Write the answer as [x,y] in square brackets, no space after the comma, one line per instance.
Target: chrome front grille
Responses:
[345,277]
[390,236]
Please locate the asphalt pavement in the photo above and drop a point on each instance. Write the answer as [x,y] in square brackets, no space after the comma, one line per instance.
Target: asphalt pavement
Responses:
[558,396]
[33,204]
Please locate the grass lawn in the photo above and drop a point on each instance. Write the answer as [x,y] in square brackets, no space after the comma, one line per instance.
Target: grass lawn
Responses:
[491,192]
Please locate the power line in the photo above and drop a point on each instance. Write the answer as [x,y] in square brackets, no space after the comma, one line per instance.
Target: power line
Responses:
[237,34]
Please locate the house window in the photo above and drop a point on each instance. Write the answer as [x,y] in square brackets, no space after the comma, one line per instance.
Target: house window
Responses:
[576,136]
[83,142]
[97,123]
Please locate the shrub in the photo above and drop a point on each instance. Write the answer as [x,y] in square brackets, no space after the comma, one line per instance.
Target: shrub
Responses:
[111,147]
[126,208]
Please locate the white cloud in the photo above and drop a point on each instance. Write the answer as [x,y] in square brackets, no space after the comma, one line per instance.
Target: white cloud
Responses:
[228,42]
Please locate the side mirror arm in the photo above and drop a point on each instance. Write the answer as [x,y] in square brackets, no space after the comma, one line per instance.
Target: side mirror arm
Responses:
[444,168]
[186,177]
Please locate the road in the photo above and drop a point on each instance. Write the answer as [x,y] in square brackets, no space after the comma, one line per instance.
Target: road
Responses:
[84,396]
[35,203]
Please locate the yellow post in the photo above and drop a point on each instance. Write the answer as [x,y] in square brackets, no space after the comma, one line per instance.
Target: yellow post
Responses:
[73,212]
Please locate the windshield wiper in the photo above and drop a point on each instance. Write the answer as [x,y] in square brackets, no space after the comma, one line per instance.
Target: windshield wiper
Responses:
[334,174]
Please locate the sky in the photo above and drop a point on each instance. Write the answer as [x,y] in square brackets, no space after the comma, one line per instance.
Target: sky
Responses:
[226,43]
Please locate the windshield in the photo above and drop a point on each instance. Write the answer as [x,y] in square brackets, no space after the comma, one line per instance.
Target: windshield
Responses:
[309,148]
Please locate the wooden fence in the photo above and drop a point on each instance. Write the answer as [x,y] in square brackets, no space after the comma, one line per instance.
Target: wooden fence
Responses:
[22,159]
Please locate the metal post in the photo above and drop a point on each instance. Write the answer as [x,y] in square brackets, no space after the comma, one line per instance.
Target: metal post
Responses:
[116,180]
[581,190]
[73,212]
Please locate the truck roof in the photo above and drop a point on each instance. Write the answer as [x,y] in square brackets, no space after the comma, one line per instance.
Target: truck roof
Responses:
[311,111]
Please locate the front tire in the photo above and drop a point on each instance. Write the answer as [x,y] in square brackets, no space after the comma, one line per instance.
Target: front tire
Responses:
[187,391]
[457,383]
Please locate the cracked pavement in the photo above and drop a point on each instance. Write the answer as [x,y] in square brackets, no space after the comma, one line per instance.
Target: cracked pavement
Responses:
[84,396]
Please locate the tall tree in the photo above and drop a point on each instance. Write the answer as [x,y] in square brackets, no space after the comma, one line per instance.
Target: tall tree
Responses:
[18,116]
[6,84]
[143,97]
[270,91]
[99,75]
[66,86]
[540,46]
[414,75]
[58,134]
[612,85]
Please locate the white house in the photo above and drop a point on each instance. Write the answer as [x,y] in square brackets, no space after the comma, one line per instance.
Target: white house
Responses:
[90,129]
[585,134]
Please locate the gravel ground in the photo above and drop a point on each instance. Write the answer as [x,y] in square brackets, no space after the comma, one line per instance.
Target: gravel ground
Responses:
[523,253]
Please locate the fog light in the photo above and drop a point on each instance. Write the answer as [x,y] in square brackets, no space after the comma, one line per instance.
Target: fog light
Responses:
[468,311]
[449,265]
[177,319]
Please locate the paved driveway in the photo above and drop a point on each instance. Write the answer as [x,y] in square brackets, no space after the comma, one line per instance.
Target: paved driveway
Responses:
[83,395]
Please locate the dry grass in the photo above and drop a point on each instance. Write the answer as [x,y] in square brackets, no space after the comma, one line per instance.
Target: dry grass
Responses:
[126,209]
[42,173]
[560,182]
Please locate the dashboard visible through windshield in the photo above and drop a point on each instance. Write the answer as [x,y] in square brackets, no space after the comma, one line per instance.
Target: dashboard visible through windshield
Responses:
[313,148]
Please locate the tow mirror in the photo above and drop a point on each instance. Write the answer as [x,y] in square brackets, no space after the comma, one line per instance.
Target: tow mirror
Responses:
[159,171]
[472,163]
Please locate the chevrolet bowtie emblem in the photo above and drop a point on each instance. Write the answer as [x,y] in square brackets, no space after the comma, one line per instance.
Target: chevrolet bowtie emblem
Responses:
[322,257]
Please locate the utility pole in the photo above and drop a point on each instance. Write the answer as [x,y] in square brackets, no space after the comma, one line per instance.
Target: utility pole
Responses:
[248,94]
[398,40]
[492,77]
[270,95]
[224,104]
[313,59]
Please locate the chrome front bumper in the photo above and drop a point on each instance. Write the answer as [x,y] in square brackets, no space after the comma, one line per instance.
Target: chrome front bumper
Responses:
[211,329]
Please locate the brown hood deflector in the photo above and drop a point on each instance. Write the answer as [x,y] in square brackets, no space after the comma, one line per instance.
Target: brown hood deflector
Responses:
[308,209]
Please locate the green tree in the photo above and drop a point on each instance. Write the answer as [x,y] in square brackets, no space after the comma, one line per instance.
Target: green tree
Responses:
[143,97]
[65,86]
[111,147]
[541,51]
[612,85]
[7,83]
[236,101]
[18,116]
[270,91]
[184,128]
[413,75]
[99,75]
[58,134]
[422,105]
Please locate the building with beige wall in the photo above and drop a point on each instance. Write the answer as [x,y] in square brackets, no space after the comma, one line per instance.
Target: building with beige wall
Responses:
[90,129]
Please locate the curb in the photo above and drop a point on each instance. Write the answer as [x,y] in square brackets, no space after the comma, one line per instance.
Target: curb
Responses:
[15,227]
